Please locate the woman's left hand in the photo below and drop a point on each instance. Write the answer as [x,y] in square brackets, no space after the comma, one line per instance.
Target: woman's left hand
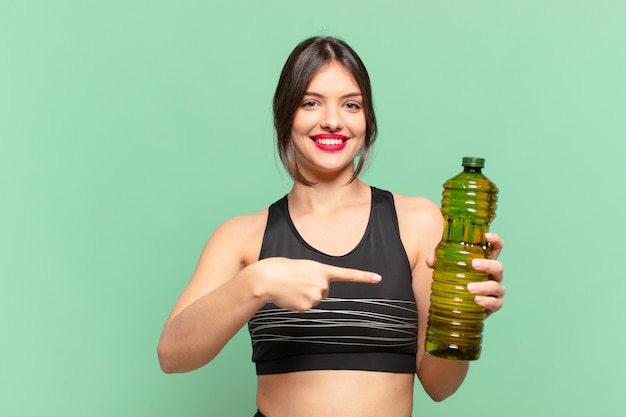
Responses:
[489,294]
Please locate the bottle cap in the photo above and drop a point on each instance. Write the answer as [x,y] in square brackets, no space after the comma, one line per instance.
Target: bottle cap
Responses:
[470,161]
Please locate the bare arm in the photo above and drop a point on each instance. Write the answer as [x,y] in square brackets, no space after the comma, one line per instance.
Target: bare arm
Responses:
[230,285]
[439,377]
[217,301]
[421,229]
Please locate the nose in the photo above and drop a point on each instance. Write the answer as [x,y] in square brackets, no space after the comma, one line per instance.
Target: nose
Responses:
[331,119]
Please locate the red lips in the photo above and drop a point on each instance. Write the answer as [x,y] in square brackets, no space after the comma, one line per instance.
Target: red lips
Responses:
[329,136]
[330,142]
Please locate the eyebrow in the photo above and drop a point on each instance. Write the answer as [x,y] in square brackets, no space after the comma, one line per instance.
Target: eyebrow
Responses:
[313,93]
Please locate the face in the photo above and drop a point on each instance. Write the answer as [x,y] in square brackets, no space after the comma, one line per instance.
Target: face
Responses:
[329,125]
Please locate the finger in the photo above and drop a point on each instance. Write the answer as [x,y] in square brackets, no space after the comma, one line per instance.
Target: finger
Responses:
[352,275]
[494,268]
[490,304]
[490,295]
[487,288]
[496,243]
[430,261]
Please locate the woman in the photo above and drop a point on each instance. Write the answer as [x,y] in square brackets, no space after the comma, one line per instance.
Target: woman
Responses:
[334,279]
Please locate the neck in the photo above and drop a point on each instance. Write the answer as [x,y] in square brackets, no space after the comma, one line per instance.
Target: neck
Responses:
[324,195]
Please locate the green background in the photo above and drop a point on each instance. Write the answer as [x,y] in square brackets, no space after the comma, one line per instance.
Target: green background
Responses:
[129,129]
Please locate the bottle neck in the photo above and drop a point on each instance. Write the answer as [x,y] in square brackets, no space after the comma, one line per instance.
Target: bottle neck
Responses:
[472,169]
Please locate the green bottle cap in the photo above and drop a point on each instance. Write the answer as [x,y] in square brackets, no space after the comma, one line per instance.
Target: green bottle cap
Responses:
[470,161]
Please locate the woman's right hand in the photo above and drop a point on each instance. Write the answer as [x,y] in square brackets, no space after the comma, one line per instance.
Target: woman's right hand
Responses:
[299,284]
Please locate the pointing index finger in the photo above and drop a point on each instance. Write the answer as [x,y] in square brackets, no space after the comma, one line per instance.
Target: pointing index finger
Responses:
[353,275]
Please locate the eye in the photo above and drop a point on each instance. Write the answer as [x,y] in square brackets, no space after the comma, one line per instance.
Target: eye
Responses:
[351,105]
[308,104]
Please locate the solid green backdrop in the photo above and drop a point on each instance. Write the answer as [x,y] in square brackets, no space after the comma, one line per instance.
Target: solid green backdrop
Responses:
[129,130]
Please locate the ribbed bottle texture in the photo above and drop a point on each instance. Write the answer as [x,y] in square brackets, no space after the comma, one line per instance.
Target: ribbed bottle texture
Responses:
[455,321]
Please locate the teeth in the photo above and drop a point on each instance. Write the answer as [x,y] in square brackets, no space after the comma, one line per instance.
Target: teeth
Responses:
[329,142]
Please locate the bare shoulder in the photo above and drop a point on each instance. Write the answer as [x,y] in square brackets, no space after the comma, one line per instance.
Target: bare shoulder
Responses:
[235,244]
[421,224]
[242,234]
[418,209]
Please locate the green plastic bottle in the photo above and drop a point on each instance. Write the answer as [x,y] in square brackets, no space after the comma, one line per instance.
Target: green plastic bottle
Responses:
[455,321]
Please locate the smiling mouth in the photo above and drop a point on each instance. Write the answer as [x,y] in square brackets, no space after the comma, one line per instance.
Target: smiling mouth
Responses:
[330,142]
[329,139]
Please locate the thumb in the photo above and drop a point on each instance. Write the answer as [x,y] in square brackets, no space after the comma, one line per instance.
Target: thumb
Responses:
[352,275]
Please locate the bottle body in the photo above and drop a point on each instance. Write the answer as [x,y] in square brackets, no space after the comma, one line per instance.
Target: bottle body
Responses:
[455,322]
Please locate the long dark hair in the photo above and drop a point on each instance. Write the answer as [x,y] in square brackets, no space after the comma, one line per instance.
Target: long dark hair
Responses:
[301,66]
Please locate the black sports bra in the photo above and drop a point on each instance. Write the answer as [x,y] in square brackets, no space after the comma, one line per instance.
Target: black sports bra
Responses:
[358,326]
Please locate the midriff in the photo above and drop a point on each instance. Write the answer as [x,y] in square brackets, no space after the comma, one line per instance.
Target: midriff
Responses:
[332,393]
